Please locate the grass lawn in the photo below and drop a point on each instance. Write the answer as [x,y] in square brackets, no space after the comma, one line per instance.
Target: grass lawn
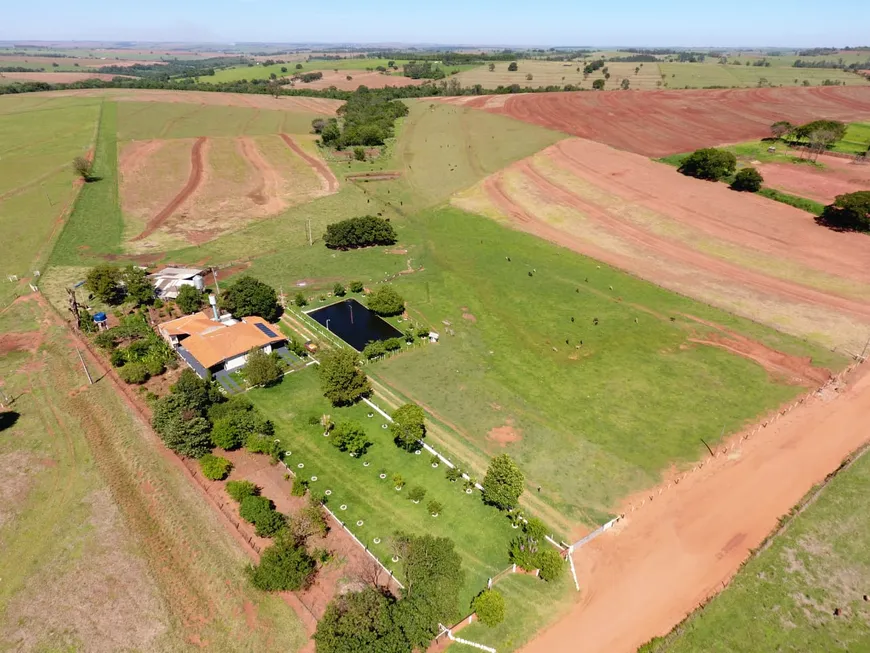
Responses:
[97,525]
[588,423]
[856,140]
[784,598]
[482,534]
[39,142]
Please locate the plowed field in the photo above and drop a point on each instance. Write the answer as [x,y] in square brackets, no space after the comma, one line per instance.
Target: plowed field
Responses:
[657,123]
[752,256]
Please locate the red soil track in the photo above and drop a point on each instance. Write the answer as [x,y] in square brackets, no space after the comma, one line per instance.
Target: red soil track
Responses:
[327,180]
[58,78]
[820,185]
[193,182]
[657,123]
[640,579]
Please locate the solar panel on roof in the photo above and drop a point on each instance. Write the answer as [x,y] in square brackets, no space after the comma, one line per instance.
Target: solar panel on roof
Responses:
[266,330]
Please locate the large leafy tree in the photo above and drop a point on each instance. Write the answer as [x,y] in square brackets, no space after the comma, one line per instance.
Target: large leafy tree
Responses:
[351,437]
[249,296]
[285,565]
[748,180]
[781,128]
[181,428]
[408,426]
[503,483]
[710,164]
[137,286]
[489,607]
[849,212]
[359,232]
[195,393]
[342,380]
[104,281]
[434,579]
[262,368]
[360,622]
[189,299]
[386,301]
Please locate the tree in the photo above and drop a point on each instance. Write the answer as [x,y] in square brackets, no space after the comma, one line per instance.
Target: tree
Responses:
[375,349]
[433,579]
[133,373]
[417,494]
[363,231]
[491,67]
[194,393]
[350,437]
[137,286]
[748,180]
[435,508]
[360,622]
[299,66]
[503,483]
[781,128]
[849,212]
[214,467]
[625,84]
[551,564]
[709,163]
[393,344]
[489,607]
[513,67]
[359,153]
[356,286]
[232,428]
[338,290]
[598,84]
[386,301]
[525,547]
[249,296]
[317,125]
[181,428]
[529,77]
[189,299]
[300,300]
[104,281]
[341,379]
[261,512]
[283,566]
[262,369]
[82,168]
[408,427]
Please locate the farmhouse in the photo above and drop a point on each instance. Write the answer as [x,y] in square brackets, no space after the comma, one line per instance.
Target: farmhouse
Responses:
[168,281]
[212,343]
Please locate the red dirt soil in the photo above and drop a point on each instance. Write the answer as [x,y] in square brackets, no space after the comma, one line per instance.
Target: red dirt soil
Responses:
[328,181]
[821,185]
[360,78]
[624,183]
[643,577]
[58,78]
[196,162]
[657,123]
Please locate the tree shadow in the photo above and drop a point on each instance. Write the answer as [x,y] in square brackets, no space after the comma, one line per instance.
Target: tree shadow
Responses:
[92,179]
[8,419]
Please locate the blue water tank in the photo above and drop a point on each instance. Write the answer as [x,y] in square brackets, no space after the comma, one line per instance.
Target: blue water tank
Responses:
[99,317]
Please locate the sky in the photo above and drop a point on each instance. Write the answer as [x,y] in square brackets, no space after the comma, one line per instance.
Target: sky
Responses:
[798,23]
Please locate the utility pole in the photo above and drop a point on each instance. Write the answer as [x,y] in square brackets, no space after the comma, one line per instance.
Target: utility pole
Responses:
[310,237]
[84,367]
[214,274]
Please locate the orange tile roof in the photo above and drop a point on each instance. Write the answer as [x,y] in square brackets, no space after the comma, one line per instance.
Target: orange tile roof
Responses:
[213,342]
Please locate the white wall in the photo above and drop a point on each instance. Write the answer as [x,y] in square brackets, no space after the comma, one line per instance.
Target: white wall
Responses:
[237,362]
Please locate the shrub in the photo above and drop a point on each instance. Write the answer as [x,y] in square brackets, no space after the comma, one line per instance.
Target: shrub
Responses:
[748,180]
[214,467]
[256,443]
[351,437]
[598,84]
[283,566]
[417,494]
[133,373]
[363,231]
[375,349]
[709,163]
[393,344]
[356,286]
[489,607]
[513,67]
[453,474]
[435,508]
[300,486]
[261,512]
[300,300]
[359,153]
[503,483]
[398,481]
[238,490]
[117,358]
[386,301]
[338,290]
[408,427]
[154,366]
[262,369]
[189,300]
[550,563]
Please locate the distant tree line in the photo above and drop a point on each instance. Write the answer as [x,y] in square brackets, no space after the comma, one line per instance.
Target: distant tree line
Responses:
[174,68]
[423,70]
[634,58]
[368,119]
[309,77]
[837,65]
[446,57]
[20,69]
[592,66]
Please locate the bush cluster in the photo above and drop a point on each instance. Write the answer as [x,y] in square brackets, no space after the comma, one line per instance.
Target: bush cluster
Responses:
[214,467]
[367,119]
[531,551]
[260,511]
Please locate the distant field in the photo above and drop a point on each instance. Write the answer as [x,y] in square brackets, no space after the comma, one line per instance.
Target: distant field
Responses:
[264,72]
[559,73]
[699,75]
[806,592]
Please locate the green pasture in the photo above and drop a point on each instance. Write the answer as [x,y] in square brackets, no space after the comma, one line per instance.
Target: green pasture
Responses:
[147,120]
[39,138]
[856,140]
[699,75]
[784,599]
[481,533]
[264,72]
[593,421]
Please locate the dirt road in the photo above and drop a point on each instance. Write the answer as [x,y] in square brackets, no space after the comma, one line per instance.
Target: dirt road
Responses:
[639,580]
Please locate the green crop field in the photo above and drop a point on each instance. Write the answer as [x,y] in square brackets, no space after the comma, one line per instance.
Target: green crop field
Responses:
[699,75]
[561,73]
[264,72]
[784,599]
